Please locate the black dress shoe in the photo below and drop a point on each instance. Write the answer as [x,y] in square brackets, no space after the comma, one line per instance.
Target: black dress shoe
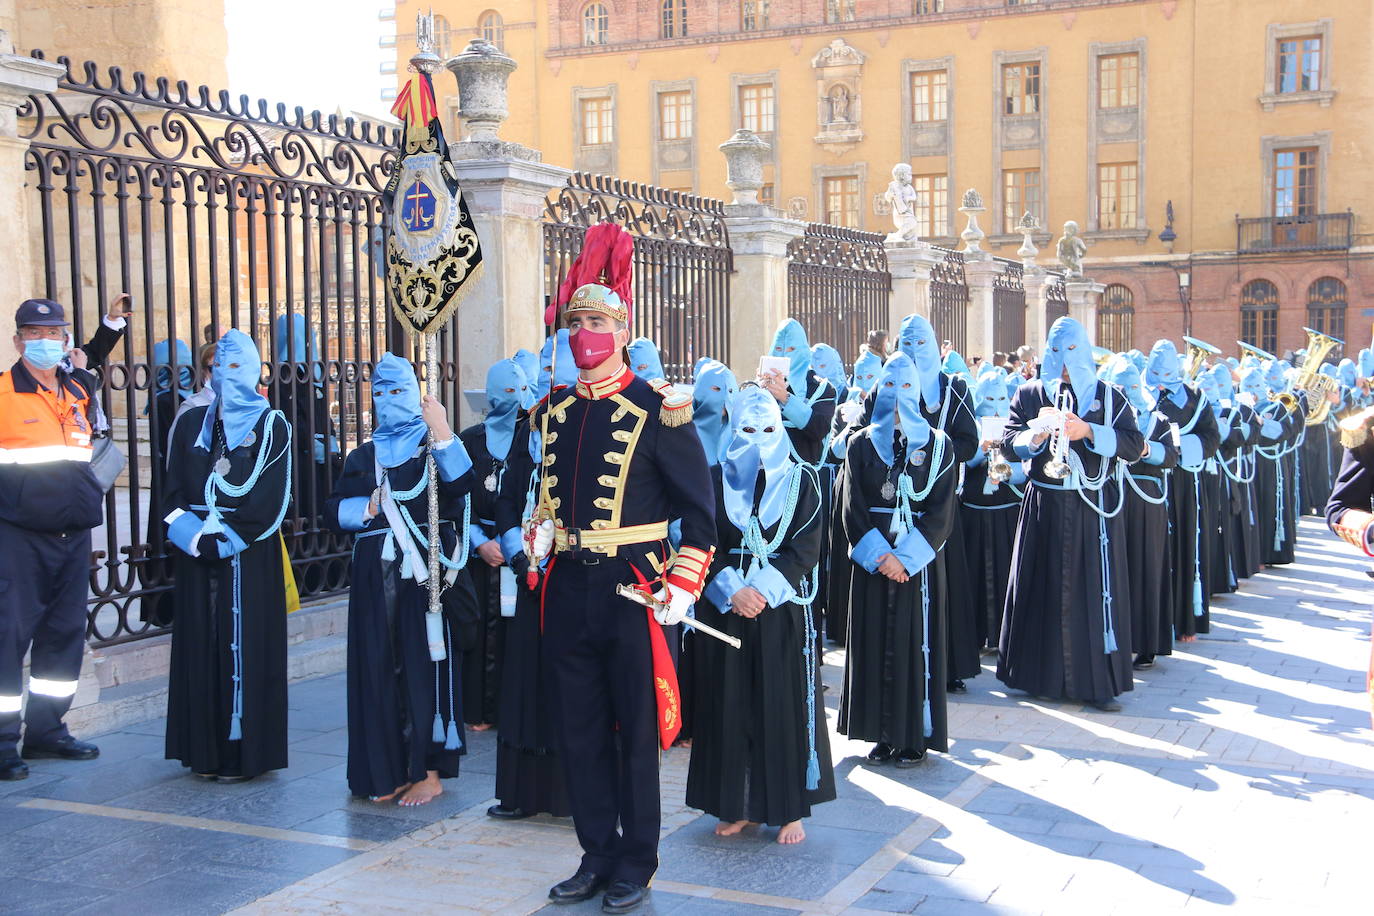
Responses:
[908,758]
[623,897]
[1107,705]
[582,886]
[12,768]
[502,813]
[880,754]
[956,686]
[67,748]
[1143,662]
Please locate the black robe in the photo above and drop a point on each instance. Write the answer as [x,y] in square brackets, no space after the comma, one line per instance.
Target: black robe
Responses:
[1244,525]
[1148,559]
[316,464]
[988,525]
[394,689]
[1189,543]
[200,694]
[807,439]
[482,659]
[893,668]
[1054,630]
[1276,483]
[752,729]
[1316,467]
[1220,575]
[529,774]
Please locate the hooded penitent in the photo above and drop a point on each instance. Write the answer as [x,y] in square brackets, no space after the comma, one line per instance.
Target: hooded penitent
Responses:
[917,341]
[295,342]
[712,396]
[566,368]
[1348,373]
[1274,375]
[1067,347]
[954,364]
[234,379]
[1122,372]
[897,405]
[990,398]
[757,443]
[826,362]
[508,393]
[1252,382]
[1164,372]
[397,427]
[644,359]
[528,361]
[789,341]
[162,358]
[867,368]
[1207,384]
[1225,382]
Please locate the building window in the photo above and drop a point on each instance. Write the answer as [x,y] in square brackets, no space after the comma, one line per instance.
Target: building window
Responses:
[1295,182]
[443,37]
[1116,196]
[596,23]
[493,29]
[673,23]
[767,194]
[675,115]
[1020,194]
[839,11]
[1259,315]
[1118,81]
[1116,318]
[932,205]
[921,7]
[753,15]
[1326,301]
[1022,2]
[929,96]
[387,66]
[756,107]
[598,121]
[840,201]
[1299,64]
[1021,88]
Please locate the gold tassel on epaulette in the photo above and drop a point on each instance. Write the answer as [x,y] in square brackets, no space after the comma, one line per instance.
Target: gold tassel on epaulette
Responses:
[677,407]
[1355,428]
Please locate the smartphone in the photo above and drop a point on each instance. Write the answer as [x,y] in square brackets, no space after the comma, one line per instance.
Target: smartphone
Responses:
[778,364]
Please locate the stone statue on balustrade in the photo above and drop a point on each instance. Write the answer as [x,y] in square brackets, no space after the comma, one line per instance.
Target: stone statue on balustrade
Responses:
[1071,250]
[901,198]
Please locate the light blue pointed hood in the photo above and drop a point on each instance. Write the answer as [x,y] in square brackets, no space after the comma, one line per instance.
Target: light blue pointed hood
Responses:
[1207,384]
[713,393]
[790,342]
[235,378]
[162,359]
[898,398]
[508,393]
[954,364]
[1164,368]
[398,429]
[867,368]
[1138,359]
[1067,347]
[766,448]
[1274,375]
[829,365]
[1252,381]
[1225,382]
[1122,372]
[528,361]
[645,361]
[567,369]
[917,341]
[1348,373]
[990,397]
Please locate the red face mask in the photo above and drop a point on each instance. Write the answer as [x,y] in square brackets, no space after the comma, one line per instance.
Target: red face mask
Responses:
[591,348]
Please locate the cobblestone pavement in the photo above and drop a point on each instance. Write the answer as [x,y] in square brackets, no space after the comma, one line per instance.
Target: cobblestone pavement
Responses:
[1238,777]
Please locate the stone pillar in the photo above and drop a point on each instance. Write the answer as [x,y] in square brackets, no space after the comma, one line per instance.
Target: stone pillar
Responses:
[20,77]
[979,328]
[1037,282]
[1084,295]
[759,237]
[910,264]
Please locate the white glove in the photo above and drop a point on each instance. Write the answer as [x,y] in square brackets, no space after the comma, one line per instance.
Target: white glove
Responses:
[675,606]
[851,412]
[543,540]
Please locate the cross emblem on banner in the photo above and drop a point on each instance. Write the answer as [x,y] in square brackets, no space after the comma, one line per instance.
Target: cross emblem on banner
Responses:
[417,208]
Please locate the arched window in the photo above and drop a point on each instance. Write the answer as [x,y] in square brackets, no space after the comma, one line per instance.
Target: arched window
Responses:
[443,37]
[596,23]
[1116,318]
[1326,304]
[492,28]
[674,21]
[1259,315]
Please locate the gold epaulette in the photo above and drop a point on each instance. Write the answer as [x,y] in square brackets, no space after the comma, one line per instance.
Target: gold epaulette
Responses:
[1352,527]
[677,407]
[1355,428]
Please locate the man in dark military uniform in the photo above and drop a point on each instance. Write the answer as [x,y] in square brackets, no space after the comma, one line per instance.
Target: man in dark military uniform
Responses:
[621,458]
[1348,511]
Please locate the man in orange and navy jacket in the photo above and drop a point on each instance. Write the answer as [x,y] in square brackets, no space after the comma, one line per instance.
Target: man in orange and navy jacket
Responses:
[49,502]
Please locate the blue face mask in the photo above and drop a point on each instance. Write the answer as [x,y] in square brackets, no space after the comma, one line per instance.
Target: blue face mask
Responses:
[644,359]
[955,364]
[789,342]
[1366,363]
[826,362]
[508,393]
[898,400]
[1164,370]
[990,397]
[758,442]
[1122,372]
[44,353]
[917,342]
[1221,377]
[712,394]
[1252,382]
[397,427]
[1067,347]
[1273,375]
[1208,386]
[867,368]
[234,378]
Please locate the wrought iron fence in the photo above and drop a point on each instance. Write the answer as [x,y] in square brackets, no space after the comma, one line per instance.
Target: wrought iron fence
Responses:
[682,261]
[838,286]
[213,213]
[1056,302]
[949,300]
[1008,308]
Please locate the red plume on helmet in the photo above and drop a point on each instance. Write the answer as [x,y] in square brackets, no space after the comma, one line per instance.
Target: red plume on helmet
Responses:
[606,258]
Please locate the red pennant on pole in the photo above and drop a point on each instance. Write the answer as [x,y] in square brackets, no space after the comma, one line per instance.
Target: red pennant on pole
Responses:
[665,686]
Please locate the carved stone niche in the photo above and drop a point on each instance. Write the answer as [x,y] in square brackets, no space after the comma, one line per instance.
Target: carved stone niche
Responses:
[839,109]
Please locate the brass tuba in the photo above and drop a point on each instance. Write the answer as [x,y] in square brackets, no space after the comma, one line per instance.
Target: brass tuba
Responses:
[1252,350]
[1314,386]
[1198,351]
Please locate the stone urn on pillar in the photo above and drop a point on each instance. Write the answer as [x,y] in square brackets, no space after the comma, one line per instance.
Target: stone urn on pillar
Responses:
[482,71]
[744,155]
[972,234]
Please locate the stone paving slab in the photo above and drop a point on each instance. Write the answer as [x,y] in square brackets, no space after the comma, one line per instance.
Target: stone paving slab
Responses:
[1238,777]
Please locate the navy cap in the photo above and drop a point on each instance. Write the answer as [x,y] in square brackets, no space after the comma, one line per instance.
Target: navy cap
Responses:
[41,313]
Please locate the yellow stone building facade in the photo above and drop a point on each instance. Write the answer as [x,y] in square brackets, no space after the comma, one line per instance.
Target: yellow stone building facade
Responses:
[1247,120]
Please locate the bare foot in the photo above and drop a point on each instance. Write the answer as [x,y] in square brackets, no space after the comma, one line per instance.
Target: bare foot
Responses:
[725,828]
[480,727]
[378,799]
[1187,639]
[683,742]
[422,792]
[791,834]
